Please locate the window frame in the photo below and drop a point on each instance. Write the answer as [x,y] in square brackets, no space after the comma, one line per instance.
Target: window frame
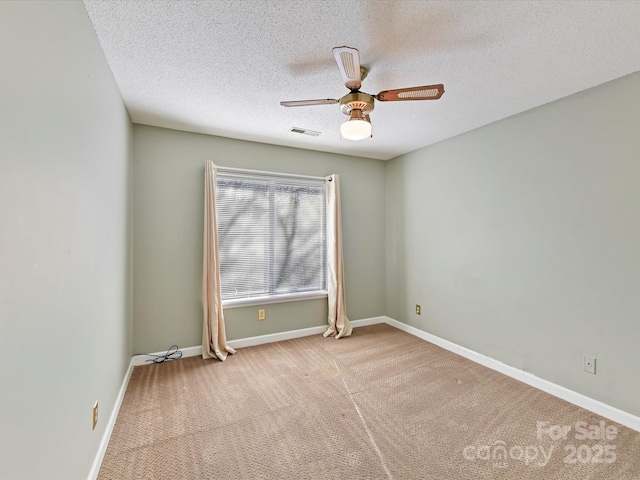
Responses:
[282,297]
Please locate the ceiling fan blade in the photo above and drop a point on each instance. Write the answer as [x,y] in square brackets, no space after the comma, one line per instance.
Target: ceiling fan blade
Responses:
[428,92]
[348,60]
[306,103]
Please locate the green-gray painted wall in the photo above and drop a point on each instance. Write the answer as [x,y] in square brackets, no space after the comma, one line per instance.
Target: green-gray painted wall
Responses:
[521,241]
[169,189]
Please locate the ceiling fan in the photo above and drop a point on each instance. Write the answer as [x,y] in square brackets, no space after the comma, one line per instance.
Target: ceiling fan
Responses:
[358,104]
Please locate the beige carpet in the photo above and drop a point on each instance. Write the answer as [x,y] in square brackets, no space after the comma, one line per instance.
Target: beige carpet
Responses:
[380,404]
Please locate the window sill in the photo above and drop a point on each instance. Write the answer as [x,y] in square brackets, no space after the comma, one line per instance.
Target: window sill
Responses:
[289,297]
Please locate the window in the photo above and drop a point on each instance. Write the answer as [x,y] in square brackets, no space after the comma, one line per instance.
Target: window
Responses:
[271,237]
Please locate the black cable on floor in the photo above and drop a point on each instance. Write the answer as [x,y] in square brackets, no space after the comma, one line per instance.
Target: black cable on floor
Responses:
[170,355]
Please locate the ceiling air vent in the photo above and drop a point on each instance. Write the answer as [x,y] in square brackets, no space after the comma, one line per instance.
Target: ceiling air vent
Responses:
[304,131]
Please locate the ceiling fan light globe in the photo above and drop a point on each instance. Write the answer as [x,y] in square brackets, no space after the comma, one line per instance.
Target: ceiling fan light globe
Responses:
[355,129]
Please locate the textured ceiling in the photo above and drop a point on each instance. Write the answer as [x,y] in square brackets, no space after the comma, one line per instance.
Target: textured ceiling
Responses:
[222,67]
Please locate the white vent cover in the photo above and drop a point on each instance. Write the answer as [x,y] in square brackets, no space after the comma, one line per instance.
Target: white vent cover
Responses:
[304,131]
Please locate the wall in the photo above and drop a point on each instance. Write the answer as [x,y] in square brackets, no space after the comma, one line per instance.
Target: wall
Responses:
[65,240]
[521,241]
[169,179]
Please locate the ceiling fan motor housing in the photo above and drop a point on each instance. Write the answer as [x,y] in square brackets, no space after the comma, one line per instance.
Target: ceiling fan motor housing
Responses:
[356,101]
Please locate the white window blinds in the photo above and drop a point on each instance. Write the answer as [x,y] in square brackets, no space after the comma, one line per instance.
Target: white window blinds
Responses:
[271,235]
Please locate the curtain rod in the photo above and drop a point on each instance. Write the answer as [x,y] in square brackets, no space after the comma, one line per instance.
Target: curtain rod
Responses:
[264,172]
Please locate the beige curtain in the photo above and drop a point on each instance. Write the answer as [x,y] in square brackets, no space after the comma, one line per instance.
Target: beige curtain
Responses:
[214,339]
[338,322]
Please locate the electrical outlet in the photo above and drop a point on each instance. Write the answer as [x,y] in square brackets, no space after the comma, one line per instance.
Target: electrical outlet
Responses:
[95,415]
[589,364]
[262,314]
[418,309]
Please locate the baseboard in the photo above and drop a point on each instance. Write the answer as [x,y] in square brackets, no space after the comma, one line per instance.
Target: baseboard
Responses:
[106,436]
[304,332]
[368,321]
[262,339]
[275,337]
[578,399]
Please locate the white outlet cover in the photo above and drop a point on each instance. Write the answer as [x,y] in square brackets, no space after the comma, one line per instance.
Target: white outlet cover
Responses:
[589,364]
